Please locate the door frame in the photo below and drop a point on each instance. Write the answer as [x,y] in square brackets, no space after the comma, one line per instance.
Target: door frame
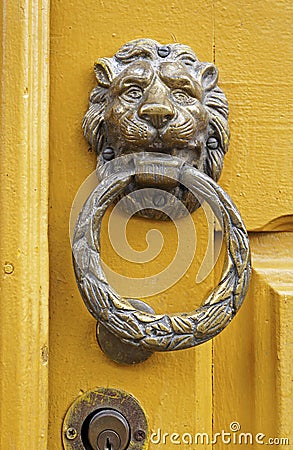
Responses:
[24,238]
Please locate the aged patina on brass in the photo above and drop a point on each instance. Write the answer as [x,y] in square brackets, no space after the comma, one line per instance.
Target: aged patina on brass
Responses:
[154,98]
[105,418]
[161,107]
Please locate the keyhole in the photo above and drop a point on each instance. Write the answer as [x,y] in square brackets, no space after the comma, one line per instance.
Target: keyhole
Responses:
[107,430]
[108,440]
[108,445]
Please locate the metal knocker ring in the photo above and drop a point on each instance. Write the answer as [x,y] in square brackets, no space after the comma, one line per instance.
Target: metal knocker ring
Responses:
[145,331]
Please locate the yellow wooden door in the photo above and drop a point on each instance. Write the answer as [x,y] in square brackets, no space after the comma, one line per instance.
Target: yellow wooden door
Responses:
[242,378]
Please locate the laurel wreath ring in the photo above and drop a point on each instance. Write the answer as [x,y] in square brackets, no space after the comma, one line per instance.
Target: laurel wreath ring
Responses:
[163,332]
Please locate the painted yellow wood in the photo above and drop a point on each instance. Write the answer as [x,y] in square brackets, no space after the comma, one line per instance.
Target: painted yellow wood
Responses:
[253,357]
[175,389]
[245,375]
[251,46]
[253,49]
[23,223]
[165,384]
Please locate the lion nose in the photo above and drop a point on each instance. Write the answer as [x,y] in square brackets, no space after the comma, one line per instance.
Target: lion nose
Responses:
[158,115]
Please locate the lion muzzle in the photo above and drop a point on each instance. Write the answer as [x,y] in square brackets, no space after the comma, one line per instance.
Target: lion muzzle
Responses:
[157,114]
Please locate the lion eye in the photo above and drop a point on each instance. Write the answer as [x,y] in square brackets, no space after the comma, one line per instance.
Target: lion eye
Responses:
[133,93]
[182,96]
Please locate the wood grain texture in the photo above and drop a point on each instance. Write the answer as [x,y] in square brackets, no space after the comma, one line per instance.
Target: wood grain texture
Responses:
[23,222]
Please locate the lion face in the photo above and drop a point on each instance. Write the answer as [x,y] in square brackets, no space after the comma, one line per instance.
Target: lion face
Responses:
[153,110]
[153,98]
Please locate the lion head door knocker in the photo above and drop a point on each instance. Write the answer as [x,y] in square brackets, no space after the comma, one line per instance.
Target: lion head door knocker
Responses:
[157,119]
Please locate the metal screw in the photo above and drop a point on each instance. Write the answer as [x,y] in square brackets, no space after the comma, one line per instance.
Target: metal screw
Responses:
[8,268]
[212,143]
[159,200]
[71,433]
[163,52]
[139,435]
[108,154]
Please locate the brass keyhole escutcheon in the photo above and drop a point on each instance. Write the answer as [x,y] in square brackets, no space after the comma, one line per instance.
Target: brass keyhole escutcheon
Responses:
[105,419]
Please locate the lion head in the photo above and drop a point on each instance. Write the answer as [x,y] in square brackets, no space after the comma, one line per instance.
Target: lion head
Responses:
[155,98]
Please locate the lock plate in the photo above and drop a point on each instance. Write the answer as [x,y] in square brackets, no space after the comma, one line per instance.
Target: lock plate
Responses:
[105,416]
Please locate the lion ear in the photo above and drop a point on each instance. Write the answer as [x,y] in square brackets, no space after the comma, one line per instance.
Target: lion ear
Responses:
[208,76]
[104,72]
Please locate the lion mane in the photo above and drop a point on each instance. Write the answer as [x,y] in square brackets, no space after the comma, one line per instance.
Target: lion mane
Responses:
[213,99]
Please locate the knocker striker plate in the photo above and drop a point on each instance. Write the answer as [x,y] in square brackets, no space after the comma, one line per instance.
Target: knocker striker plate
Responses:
[157,118]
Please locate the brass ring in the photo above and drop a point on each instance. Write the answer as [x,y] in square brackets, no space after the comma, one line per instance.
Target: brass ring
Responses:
[161,332]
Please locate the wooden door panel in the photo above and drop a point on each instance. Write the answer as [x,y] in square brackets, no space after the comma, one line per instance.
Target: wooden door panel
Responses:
[253,49]
[167,383]
[253,358]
